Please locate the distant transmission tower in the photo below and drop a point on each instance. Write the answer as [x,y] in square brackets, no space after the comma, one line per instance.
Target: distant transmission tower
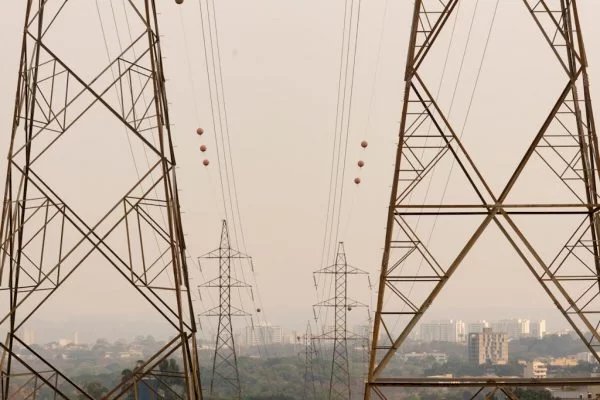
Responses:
[310,356]
[45,239]
[339,382]
[225,367]
[564,151]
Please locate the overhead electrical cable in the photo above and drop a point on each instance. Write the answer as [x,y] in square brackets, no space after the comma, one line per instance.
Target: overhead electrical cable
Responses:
[332,188]
[348,124]
[341,138]
[220,123]
[213,303]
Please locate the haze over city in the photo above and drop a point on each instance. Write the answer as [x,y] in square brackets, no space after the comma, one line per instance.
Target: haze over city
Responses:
[281,96]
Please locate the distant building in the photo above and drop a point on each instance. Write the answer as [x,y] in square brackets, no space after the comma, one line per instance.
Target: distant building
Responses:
[514,328]
[441,358]
[564,362]
[442,331]
[488,347]
[363,331]
[569,393]
[28,335]
[585,356]
[537,329]
[291,338]
[263,334]
[535,369]
[477,327]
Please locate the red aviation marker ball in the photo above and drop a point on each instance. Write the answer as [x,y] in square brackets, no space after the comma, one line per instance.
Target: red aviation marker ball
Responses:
[203,148]
[199,131]
[357,180]
[205,162]
[179,1]
[364,144]
[361,163]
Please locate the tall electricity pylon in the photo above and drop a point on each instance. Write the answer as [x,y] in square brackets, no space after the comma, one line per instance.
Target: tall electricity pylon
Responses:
[339,382]
[45,239]
[565,147]
[225,366]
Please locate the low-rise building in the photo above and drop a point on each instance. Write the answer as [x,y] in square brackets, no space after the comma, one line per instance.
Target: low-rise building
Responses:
[563,362]
[441,358]
[535,370]
[585,356]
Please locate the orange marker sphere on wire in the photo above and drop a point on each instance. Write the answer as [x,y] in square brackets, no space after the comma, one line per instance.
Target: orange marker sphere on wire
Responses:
[357,180]
[364,144]
[199,131]
[361,163]
[206,162]
[203,148]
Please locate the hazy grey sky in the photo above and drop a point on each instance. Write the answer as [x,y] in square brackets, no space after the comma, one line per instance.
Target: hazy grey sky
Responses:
[280,65]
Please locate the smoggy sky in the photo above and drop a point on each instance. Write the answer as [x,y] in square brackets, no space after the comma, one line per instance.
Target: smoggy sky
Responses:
[280,63]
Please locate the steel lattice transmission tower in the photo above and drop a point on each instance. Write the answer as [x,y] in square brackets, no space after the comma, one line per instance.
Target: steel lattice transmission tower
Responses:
[339,382]
[225,367]
[310,356]
[565,147]
[46,240]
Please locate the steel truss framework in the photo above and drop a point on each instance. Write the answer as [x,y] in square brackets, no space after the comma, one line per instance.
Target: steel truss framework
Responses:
[339,382]
[44,241]
[225,367]
[566,143]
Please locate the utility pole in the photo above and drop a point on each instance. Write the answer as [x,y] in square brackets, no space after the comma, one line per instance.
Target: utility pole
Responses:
[564,151]
[225,367]
[339,382]
[46,238]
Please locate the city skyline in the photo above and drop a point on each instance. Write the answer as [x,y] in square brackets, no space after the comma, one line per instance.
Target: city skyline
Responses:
[49,331]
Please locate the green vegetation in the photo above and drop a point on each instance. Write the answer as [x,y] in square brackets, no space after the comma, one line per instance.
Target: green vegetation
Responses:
[549,346]
[461,367]
[280,374]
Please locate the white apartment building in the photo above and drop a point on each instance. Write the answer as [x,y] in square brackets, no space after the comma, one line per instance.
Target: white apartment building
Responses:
[263,334]
[443,331]
[514,328]
[537,329]
[292,337]
[362,331]
[477,327]
[28,336]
